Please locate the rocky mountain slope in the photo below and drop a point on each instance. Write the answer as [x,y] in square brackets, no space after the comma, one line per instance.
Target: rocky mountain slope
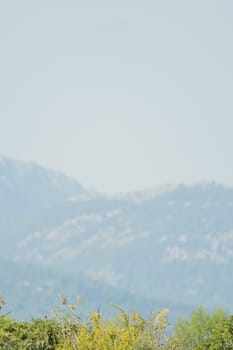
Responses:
[169,247]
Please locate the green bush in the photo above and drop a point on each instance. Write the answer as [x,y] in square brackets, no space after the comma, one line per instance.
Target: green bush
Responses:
[40,334]
[204,331]
[66,331]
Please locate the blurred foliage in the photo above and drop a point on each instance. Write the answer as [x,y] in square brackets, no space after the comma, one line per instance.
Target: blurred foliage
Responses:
[204,331]
[65,330]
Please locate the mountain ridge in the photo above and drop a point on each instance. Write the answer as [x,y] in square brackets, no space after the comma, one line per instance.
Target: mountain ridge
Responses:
[173,243]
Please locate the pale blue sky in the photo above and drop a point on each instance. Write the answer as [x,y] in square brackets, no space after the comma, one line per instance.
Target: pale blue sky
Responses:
[121,94]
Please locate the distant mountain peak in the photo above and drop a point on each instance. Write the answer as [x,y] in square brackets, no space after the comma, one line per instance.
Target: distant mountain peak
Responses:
[25,186]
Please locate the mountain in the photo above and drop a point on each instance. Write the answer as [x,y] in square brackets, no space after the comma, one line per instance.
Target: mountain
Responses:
[27,188]
[169,247]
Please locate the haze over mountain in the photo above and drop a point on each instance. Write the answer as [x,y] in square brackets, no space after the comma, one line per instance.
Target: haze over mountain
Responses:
[27,187]
[169,247]
[122,94]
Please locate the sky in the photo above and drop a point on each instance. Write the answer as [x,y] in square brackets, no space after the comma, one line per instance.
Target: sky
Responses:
[121,95]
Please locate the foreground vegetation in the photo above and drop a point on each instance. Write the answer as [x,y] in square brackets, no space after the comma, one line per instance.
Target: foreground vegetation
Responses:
[66,331]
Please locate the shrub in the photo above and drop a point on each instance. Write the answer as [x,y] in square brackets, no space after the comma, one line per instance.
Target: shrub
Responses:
[201,331]
[66,331]
[40,334]
[124,332]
